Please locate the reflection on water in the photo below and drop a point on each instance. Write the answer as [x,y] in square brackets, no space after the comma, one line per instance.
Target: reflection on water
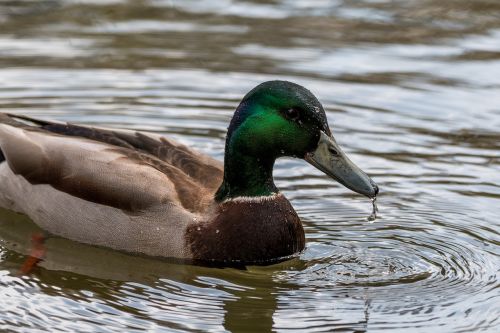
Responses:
[412,92]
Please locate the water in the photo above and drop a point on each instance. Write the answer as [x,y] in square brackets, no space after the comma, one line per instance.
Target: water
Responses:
[373,215]
[412,91]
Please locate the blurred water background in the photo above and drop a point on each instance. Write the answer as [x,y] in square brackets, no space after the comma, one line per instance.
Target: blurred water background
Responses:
[412,92]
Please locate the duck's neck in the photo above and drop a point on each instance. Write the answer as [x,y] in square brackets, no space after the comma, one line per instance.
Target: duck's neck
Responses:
[245,175]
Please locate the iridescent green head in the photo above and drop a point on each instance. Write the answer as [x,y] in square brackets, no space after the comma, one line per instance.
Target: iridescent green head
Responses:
[276,119]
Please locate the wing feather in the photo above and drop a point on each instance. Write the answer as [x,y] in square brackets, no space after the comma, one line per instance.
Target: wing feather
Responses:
[126,170]
[200,168]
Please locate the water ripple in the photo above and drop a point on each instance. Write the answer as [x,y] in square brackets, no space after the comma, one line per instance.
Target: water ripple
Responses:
[411,92]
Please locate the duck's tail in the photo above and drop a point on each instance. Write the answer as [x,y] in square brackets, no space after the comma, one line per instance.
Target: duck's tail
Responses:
[22,121]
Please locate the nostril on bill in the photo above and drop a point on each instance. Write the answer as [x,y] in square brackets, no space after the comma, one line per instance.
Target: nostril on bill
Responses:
[333,151]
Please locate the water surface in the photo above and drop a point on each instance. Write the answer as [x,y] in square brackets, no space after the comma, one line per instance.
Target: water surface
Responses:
[412,93]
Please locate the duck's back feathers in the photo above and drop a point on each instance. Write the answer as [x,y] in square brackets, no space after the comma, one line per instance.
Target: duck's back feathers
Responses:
[125,169]
[203,169]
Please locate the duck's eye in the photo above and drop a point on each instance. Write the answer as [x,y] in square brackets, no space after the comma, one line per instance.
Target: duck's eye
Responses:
[292,114]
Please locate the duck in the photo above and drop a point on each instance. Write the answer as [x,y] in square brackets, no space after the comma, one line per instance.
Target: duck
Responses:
[147,194]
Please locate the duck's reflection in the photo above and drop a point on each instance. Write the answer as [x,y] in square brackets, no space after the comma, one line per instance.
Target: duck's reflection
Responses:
[253,313]
[237,299]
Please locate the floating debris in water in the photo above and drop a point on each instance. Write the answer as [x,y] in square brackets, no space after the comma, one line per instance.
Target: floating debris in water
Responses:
[373,215]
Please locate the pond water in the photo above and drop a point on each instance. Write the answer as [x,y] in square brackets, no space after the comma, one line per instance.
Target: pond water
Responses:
[412,93]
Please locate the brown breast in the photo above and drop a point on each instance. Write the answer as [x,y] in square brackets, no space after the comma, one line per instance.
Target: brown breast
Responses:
[248,231]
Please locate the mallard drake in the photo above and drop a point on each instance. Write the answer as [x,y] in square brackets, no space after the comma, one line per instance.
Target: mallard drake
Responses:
[143,193]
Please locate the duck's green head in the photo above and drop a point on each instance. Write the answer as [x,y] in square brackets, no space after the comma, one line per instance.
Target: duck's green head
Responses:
[276,119]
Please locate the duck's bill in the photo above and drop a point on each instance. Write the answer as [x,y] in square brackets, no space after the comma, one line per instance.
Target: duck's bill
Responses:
[329,158]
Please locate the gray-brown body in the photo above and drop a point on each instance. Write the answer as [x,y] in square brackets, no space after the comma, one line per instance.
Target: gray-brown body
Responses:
[136,192]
